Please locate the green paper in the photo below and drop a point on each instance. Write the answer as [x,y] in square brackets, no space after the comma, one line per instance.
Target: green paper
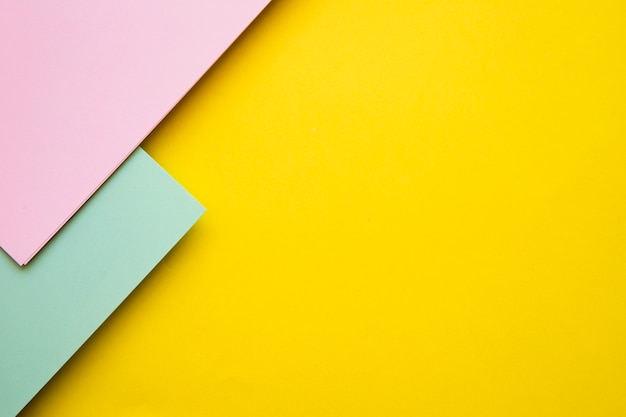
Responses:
[50,307]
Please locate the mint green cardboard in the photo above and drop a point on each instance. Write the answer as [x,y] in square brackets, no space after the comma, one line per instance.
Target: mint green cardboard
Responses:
[50,307]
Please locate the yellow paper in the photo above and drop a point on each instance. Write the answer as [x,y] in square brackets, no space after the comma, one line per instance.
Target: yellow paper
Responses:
[414,208]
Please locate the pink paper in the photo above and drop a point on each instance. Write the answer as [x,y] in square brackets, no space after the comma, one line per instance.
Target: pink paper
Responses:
[82,83]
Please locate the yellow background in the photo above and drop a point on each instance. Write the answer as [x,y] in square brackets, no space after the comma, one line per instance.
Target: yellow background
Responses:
[414,208]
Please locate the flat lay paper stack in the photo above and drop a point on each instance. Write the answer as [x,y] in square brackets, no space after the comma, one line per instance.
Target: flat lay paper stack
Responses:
[83,84]
[414,208]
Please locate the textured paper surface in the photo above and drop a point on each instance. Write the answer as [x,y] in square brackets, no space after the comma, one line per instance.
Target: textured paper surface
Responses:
[418,209]
[82,85]
[49,308]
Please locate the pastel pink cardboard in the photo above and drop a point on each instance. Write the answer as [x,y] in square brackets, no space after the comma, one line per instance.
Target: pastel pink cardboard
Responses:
[83,83]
